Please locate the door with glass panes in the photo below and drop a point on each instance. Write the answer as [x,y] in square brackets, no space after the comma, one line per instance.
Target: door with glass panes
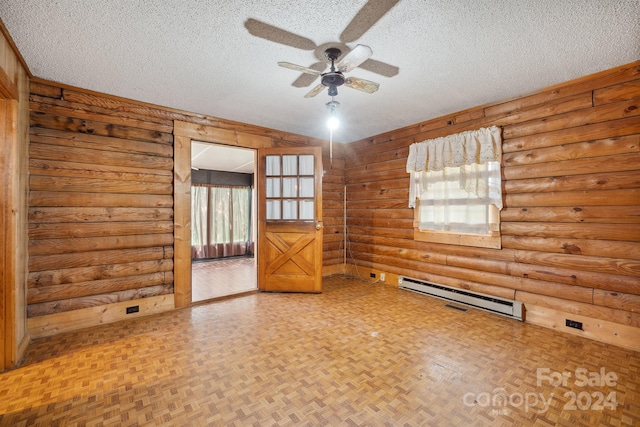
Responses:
[290,219]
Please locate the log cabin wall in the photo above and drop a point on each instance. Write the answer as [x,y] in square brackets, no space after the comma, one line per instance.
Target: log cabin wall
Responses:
[571,223]
[101,205]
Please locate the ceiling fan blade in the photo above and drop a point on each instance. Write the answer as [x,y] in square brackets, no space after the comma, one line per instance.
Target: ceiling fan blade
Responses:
[361,84]
[316,90]
[306,79]
[278,35]
[381,68]
[357,56]
[299,68]
[365,19]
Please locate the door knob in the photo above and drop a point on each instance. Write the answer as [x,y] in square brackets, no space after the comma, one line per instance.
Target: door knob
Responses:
[318,226]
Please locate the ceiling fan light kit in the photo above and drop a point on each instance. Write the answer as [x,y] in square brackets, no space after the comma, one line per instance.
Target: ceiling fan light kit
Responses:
[332,124]
[333,121]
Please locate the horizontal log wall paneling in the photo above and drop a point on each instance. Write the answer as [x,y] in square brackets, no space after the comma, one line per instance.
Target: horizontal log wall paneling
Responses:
[571,223]
[101,203]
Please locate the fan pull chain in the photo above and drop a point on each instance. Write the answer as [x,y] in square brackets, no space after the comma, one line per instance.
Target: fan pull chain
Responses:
[331,146]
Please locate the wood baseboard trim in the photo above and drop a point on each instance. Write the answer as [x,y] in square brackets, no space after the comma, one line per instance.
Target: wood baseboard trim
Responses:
[57,323]
[596,329]
[364,273]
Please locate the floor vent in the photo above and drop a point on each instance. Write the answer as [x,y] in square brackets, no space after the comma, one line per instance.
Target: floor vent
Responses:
[455,307]
[489,303]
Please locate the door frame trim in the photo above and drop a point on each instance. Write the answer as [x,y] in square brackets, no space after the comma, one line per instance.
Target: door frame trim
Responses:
[10,348]
[184,133]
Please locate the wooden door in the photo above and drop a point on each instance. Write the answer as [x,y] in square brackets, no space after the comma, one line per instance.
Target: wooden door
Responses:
[290,219]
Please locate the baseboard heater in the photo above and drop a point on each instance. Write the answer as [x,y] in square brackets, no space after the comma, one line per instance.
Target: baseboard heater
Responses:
[501,306]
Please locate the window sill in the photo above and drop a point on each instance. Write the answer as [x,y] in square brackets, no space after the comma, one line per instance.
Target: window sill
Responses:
[493,241]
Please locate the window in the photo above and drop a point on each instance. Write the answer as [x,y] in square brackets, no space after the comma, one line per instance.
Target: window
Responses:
[290,187]
[220,221]
[456,188]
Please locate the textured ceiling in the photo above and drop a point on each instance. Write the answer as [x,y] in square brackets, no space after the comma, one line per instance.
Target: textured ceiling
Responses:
[201,55]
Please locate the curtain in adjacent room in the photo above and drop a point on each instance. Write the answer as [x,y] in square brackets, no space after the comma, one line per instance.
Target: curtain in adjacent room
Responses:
[455,179]
[220,221]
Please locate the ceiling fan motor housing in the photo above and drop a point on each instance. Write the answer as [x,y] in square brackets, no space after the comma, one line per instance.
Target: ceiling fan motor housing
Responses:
[333,78]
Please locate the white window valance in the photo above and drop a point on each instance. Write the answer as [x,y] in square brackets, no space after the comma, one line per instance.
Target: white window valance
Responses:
[473,157]
[466,148]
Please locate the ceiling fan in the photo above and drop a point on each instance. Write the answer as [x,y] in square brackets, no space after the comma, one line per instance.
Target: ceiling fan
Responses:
[335,77]
[365,18]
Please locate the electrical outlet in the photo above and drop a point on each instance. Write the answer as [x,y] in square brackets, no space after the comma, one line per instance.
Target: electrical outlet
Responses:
[382,277]
[574,324]
[372,275]
[133,309]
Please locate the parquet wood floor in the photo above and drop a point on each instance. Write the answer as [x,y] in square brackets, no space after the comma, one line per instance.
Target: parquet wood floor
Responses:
[355,355]
[223,277]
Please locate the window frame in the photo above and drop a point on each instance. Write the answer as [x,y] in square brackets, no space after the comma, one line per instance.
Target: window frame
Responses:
[493,240]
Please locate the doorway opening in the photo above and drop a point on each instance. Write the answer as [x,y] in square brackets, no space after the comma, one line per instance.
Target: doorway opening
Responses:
[223,221]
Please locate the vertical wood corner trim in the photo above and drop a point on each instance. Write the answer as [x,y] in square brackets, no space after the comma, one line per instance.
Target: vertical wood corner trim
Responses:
[182,220]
